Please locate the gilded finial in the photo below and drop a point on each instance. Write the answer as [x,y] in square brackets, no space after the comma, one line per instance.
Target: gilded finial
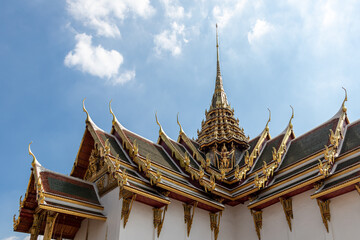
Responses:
[112,113]
[87,114]
[267,123]
[292,116]
[345,99]
[31,154]
[181,130]
[157,121]
[217,53]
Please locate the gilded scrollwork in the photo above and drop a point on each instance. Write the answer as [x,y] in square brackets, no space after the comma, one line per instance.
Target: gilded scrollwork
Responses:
[325,212]
[287,207]
[241,173]
[334,137]
[324,168]
[128,199]
[257,216]
[159,217]
[215,223]
[268,172]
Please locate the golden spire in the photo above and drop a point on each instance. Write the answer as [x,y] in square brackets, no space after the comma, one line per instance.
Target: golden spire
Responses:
[220,125]
[218,73]
[219,98]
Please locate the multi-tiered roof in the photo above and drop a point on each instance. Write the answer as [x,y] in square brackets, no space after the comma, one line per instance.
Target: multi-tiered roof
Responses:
[220,125]
[222,167]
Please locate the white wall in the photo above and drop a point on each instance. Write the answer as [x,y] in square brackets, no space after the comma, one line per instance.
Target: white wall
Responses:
[345,216]
[236,222]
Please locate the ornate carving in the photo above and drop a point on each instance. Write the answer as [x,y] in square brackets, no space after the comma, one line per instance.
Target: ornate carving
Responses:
[50,223]
[325,212]
[259,182]
[101,183]
[227,158]
[37,223]
[97,160]
[318,185]
[268,172]
[287,207]
[16,221]
[128,199]
[159,217]
[334,137]
[215,223]
[257,215]
[324,168]
[241,173]
[329,154]
[188,216]
[40,192]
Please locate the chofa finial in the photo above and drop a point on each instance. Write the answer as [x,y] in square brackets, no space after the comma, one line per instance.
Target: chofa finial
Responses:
[177,118]
[160,130]
[31,154]
[292,116]
[345,99]
[112,113]
[267,123]
[87,114]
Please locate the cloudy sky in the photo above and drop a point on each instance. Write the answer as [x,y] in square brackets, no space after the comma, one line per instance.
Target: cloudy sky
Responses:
[160,55]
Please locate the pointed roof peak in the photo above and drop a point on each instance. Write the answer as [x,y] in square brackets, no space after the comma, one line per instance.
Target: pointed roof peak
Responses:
[218,73]
[219,98]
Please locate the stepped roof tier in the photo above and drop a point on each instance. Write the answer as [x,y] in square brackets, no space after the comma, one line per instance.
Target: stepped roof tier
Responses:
[220,137]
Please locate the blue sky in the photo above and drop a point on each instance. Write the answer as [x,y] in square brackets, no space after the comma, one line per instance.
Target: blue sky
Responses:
[160,56]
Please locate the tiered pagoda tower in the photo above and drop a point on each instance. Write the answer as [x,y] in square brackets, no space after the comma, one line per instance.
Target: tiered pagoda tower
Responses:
[221,138]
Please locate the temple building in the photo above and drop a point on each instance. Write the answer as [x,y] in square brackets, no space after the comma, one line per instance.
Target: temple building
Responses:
[222,185]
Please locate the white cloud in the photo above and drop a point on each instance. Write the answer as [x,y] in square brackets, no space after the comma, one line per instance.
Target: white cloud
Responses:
[225,12]
[260,29]
[17,238]
[104,15]
[172,9]
[97,61]
[170,40]
[11,238]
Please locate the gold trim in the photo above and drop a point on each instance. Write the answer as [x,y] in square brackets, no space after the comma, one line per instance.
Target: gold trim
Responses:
[301,162]
[49,195]
[285,192]
[190,196]
[74,213]
[133,190]
[354,181]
